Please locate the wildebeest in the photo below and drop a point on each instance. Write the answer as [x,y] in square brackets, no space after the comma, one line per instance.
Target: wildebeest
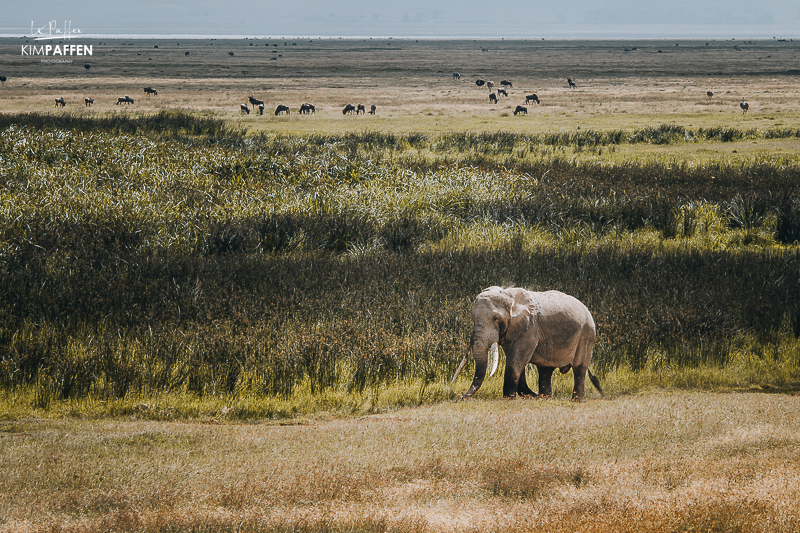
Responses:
[124,100]
[149,90]
[506,83]
[531,98]
[709,93]
[493,98]
[281,109]
[307,108]
[260,109]
[502,91]
[571,84]
[88,101]
[60,102]
[372,109]
[745,106]
[456,76]
[480,83]
[230,54]
[254,101]
[489,84]
[361,109]
[520,109]
[244,109]
[349,108]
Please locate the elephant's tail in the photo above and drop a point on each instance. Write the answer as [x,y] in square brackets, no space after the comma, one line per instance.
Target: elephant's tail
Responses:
[595,382]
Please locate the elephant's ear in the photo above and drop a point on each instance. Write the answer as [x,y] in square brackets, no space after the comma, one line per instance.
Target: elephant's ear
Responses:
[521,318]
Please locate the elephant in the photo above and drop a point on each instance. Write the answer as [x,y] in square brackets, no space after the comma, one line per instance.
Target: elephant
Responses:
[547,329]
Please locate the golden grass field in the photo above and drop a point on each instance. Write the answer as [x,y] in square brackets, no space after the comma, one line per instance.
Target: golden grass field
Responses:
[653,462]
[660,461]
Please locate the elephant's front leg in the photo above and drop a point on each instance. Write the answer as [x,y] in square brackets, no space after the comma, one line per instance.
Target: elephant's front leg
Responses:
[522,387]
[514,376]
[545,386]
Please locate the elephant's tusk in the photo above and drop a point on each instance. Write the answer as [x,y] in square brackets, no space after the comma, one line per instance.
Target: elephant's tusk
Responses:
[463,362]
[495,357]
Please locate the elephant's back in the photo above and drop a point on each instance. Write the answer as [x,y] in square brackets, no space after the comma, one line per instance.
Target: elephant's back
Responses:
[556,306]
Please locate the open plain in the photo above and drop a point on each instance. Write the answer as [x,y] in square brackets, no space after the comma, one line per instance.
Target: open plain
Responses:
[620,84]
[215,321]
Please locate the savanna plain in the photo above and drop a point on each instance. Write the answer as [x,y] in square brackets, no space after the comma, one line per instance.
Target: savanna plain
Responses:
[213,320]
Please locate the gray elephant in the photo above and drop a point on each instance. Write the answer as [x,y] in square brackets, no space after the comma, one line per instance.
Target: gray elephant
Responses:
[548,329]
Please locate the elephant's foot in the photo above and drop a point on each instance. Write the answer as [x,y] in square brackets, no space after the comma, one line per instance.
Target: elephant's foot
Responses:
[578,399]
[510,397]
[577,395]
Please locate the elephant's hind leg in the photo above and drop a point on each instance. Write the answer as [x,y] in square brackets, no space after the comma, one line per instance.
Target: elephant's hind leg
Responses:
[579,390]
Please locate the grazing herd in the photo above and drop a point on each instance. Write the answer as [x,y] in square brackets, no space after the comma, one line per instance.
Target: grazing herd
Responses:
[305,108]
[503,91]
[533,98]
[88,101]
[360,109]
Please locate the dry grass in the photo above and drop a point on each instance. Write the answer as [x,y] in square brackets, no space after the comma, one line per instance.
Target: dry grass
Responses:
[661,462]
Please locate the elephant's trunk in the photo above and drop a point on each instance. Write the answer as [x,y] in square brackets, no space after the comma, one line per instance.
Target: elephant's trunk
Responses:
[480,351]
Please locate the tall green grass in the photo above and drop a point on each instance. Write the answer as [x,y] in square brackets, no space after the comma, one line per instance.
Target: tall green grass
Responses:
[138,265]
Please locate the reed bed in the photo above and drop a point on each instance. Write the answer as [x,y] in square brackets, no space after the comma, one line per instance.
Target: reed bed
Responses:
[145,256]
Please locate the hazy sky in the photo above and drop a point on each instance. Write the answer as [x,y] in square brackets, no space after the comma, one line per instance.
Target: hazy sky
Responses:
[641,19]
